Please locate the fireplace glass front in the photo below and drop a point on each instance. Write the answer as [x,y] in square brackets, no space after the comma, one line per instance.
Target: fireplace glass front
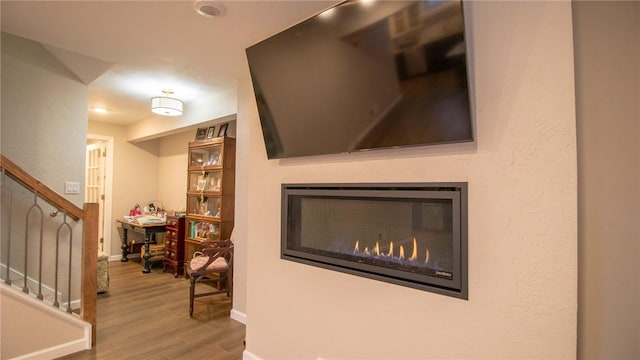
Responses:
[408,234]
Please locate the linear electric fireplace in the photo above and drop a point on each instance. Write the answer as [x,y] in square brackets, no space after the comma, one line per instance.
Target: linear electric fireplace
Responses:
[410,234]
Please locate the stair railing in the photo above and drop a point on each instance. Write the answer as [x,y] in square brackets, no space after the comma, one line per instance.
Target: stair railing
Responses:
[13,202]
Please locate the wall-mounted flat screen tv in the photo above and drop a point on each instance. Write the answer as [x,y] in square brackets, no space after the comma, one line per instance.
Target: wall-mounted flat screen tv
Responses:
[364,75]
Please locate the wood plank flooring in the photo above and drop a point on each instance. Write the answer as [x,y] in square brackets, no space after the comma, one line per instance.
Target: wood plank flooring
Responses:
[146,316]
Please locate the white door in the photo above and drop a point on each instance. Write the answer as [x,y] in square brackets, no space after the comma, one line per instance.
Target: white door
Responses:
[95,181]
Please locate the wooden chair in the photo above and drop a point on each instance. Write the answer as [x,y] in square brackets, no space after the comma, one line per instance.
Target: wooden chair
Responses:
[214,265]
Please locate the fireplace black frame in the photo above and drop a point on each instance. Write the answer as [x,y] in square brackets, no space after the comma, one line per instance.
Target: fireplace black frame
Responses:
[456,287]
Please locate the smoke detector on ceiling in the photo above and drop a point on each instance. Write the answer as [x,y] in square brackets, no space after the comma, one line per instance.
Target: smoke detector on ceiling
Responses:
[210,9]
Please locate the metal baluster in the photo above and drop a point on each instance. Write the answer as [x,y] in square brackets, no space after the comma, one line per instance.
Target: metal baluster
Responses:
[70,253]
[7,192]
[40,255]
[8,279]
[35,205]
[57,260]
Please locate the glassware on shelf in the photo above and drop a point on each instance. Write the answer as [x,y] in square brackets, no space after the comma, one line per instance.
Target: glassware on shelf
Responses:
[205,181]
[204,205]
[205,156]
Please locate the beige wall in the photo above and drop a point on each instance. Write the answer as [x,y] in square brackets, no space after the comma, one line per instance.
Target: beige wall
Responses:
[172,167]
[135,174]
[608,112]
[522,178]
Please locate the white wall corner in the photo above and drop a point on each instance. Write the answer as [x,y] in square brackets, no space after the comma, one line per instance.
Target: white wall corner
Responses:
[238,316]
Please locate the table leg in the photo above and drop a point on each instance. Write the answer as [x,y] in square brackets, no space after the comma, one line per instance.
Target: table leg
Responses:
[125,245]
[147,255]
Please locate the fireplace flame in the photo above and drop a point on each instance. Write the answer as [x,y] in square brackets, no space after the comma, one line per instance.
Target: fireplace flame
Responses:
[414,254]
[378,252]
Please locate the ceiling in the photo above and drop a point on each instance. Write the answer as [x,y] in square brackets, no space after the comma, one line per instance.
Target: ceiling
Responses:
[129,51]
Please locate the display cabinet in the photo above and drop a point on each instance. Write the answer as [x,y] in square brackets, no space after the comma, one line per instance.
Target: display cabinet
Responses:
[210,192]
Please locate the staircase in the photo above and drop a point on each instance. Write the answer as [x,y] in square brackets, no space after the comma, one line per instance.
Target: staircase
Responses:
[48,266]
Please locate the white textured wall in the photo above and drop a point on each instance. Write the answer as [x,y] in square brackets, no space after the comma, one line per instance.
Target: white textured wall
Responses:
[522,218]
[44,115]
[246,144]
[608,111]
[1,211]
[43,130]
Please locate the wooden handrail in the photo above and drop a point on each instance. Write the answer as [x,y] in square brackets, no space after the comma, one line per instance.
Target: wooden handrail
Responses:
[89,216]
[45,192]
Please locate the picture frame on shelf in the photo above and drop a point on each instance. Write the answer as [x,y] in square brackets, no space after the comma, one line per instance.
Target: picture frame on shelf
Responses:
[201,133]
[211,132]
[222,131]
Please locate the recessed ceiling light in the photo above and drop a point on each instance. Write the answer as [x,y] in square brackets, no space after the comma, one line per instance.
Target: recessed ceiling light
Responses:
[210,9]
[100,110]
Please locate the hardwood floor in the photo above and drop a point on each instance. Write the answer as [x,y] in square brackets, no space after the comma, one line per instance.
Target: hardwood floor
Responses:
[146,316]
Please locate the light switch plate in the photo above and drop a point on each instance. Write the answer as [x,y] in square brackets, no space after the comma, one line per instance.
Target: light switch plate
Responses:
[71,187]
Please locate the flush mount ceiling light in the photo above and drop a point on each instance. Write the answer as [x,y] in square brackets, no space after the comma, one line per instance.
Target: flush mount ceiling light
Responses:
[210,9]
[165,105]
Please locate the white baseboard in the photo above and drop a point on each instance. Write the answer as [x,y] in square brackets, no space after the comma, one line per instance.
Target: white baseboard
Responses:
[238,316]
[248,355]
[57,351]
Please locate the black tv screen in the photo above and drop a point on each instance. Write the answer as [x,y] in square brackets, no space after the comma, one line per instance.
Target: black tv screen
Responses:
[364,75]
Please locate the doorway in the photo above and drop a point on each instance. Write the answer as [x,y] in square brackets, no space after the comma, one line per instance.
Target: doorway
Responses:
[99,184]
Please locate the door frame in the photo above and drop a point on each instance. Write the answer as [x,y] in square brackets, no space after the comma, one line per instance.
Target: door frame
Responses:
[108,189]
